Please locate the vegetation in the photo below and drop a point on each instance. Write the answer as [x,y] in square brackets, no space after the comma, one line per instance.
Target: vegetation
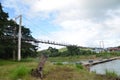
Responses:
[66,52]
[21,70]
[111,73]
[76,54]
[79,66]
[72,58]
[108,54]
[8,38]
[12,70]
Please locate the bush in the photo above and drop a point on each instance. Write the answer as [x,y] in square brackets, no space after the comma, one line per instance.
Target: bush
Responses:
[19,72]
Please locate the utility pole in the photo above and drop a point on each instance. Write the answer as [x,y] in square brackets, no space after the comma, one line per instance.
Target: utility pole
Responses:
[102,45]
[19,37]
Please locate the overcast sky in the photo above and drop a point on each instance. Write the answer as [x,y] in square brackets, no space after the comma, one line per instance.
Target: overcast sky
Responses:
[81,22]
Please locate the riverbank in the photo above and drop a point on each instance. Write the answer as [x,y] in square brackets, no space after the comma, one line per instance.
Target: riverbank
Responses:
[92,62]
[76,58]
[11,70]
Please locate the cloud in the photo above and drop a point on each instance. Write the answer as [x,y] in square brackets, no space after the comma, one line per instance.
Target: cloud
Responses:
[78,8]
[82,22]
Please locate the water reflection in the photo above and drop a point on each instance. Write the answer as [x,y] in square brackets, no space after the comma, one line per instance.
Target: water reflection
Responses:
[110,66]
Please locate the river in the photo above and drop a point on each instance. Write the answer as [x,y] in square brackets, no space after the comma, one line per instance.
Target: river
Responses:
[110,66]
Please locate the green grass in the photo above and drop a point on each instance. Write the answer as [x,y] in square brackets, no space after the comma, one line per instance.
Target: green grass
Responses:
[79,66]
[58,63]
[19,72]
[111,73]
[84,57]
[71,58]
[11,70]
[6,62]
[105,55]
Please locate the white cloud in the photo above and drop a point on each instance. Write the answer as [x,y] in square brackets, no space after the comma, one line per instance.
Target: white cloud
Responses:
[78,32]
[82,22]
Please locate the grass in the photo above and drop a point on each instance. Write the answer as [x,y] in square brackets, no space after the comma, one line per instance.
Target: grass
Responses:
[11,70]
[72,58]
[79,66]
[111,73]
[97,56]
[67,72]
[108,55]
[58,63]
[19,72]
[6,62]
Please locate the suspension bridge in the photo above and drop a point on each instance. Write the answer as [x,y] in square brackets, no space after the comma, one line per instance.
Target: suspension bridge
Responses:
[20,38]
[39,41]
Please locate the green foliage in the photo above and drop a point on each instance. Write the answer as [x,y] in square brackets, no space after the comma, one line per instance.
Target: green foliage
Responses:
[69,51]
[53,52]
[104,55]
[117,53]
[111,73]
[19,72]
[79,66]
[108,54]
[73,50]
[8,44]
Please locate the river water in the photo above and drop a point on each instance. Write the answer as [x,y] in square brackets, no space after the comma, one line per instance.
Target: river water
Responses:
[110,66]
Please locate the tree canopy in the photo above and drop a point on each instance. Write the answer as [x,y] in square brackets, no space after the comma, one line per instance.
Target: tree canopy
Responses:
[9,35]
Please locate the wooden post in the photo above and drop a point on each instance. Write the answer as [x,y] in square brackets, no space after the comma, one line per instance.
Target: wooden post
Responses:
[41,64]
[38,71]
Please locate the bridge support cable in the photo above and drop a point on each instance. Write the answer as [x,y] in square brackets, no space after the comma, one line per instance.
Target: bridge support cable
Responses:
[42,41]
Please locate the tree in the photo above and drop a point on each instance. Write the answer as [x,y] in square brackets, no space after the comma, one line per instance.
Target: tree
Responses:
[73,50]
[53,52]
[9,35]
[3,24]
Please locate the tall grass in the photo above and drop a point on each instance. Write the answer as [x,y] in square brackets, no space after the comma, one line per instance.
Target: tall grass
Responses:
[108,54]
[111,73]
[19,72]
[79,66]
[6,62]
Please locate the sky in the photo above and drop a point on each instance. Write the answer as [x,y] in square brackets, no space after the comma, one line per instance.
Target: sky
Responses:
[80,22]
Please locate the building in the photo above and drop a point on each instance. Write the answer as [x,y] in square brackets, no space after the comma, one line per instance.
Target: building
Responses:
[113,49]
[98,50]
